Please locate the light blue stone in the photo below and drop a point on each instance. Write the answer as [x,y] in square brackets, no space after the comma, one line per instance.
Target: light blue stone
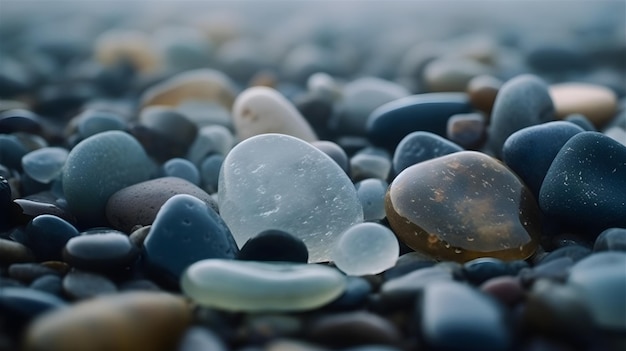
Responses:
[45,164]
[182,168]
[371,193]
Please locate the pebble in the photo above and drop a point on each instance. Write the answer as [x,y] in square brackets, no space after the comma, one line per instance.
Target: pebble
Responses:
[181,168]
[479,270]
[25,210]
[45,164]
[210,173]
[355,295]
[537,146]
[225,284]
[211,140]
[584,184]
[597,103]
[104,252]
[522,101]
[612,239]
[28,272]
[23,305]
[506,289]
[198,338]
[401,292]
[334,151]
[46,235]
[349,329]
[123,322]
[365,248]
[122,162]
[117,45]
[557,59]
[11,151]
[370,163]
[601,277]
[14,252]
[274,245]
[78,285]
[482,91]
[454,316]
[452,74]
[421,146]
[581,121]
[92,122]
[260,110]
[371,193]
[185,231]
[391,122]
[468,130]
[51,284]
[479,209]
[573,251]
[276,181]
[20,120]
[138,204]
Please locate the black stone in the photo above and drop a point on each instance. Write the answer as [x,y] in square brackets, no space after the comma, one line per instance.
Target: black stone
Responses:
[25,210]
[274,245]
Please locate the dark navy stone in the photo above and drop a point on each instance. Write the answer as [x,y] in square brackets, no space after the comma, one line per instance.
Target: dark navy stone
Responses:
[421,146]
[11,151]
[585,187]
[557,59]
[391,122]
[185,231]
[21,305]
[25,210]
[317,111]
[612,239]
[355,296]
[335,152]
[19,120]
[100,252]
[210,171]
[79,285]
[50,283]
[62,99]
[581,121]
[46,235]
[457,317]
[29,272]
[479,270]
[529,152]
[522,102]
[5,204]
[575,252]
[274,245]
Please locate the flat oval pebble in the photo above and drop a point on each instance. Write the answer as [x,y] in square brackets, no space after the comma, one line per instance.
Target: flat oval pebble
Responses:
[45,164]
[226,285]
[468,130]
[120,162]
[464,206]
[185,231]
[597,103]
[181,168]
[371,193]
[454,316]
[78,285]
[276,181]
[366,248]
[21,305]
[391,122]
[346,329]
[46,235]
[19,120]
[122,322]
[138,204]
[421,146]
[260,110]
[100,252]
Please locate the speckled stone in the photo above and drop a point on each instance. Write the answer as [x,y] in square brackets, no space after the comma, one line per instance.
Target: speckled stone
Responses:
[138,204]
[464,206]
[260,110]
[123,322]
[225,284]
[597,103]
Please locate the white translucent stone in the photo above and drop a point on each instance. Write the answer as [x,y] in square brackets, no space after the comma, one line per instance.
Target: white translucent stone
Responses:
[46,164]
[261,286]
[276,181]
[366,248]
[260,110]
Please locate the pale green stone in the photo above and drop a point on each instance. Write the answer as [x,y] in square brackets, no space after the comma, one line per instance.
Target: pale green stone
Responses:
[261,286]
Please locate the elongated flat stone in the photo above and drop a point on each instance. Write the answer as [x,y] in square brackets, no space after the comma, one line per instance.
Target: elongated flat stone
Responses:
[276,181]
[226,284]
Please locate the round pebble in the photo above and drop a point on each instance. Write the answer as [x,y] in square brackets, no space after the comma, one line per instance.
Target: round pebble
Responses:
[105,252]
[597,103]
[274,245]
[421,146]
[79,285]
[46,164]
[347,329]
[612,239]
[46,235]
[370,163]
[181,168]
[371,193]
[366,248]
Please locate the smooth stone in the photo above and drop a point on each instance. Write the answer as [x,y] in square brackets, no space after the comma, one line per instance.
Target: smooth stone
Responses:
[139,204]
[280,182]
[14,252]
[159,147]
[408,263]
[28,272]
[574,251]
[452,74]
[359,98]
[283,344]
[185,231]
[537,146]
[557,59]
[25,210]
[115,45]
[370,163]
[138,236]
[212,139]
[522,101]
[467,130]
[464,206]
[612,239]
[324,85]
[597,103]
[616,133]
[46,235]
[46,164]
[170,124]
[210,173]
[92,122]
[584,186]
[225,284]
[196,85]
[556,270]
[455,316]
[479,270]
[79,285]
[181,168]
[334,151]
[121,162]
[352,329]
[421,146]
[506,289]
[139,285]
[206,113]
[260,110]
[401,292]
[602,280]
[182,47]
[371,193]
[51,284]
[11,151]
[19,120]
[354,297]
[104,252]
[123,322]
[365,249]
[482,91]
[261,328]
[21,305]
[318,111]
[581,121]
[274,245]
[391,122]
[198,339]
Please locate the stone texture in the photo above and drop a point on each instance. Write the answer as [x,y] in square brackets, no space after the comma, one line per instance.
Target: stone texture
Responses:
[597,103]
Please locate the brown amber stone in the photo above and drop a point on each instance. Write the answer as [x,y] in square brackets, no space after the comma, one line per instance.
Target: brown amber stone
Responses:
[463,206]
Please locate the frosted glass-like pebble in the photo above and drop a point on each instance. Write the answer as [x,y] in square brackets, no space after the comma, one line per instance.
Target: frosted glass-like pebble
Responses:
[46,164]
[261,286]
[276,181]
[260,110]
[366,248]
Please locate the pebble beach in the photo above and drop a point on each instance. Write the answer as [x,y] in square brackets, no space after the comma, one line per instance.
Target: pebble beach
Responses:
[312,175]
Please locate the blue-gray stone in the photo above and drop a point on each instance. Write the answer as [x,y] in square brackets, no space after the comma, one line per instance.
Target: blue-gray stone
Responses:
[92,122]
[20,305]
[612,239]
[421,146]
[46,235]
[371,193]
[181,168]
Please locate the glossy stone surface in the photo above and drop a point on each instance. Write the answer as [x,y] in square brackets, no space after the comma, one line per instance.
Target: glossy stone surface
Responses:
[276,181]
[463,206]
[100,252]
[421,146]
[46,235]
[123,322]
[225,284]
[365,248]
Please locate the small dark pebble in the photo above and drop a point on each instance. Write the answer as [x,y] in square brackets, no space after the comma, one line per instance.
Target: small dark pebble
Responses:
[28,272]
[200,339]
[82,285]
[352,329]
[46,235]
[105,252]
[274,245]
[612,239]
[50,283]
[575,252]
[355,296]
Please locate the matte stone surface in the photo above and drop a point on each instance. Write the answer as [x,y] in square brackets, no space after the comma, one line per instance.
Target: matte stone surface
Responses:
[365,248]
[421,146]
[597,103]
[352,329]
[464,206]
